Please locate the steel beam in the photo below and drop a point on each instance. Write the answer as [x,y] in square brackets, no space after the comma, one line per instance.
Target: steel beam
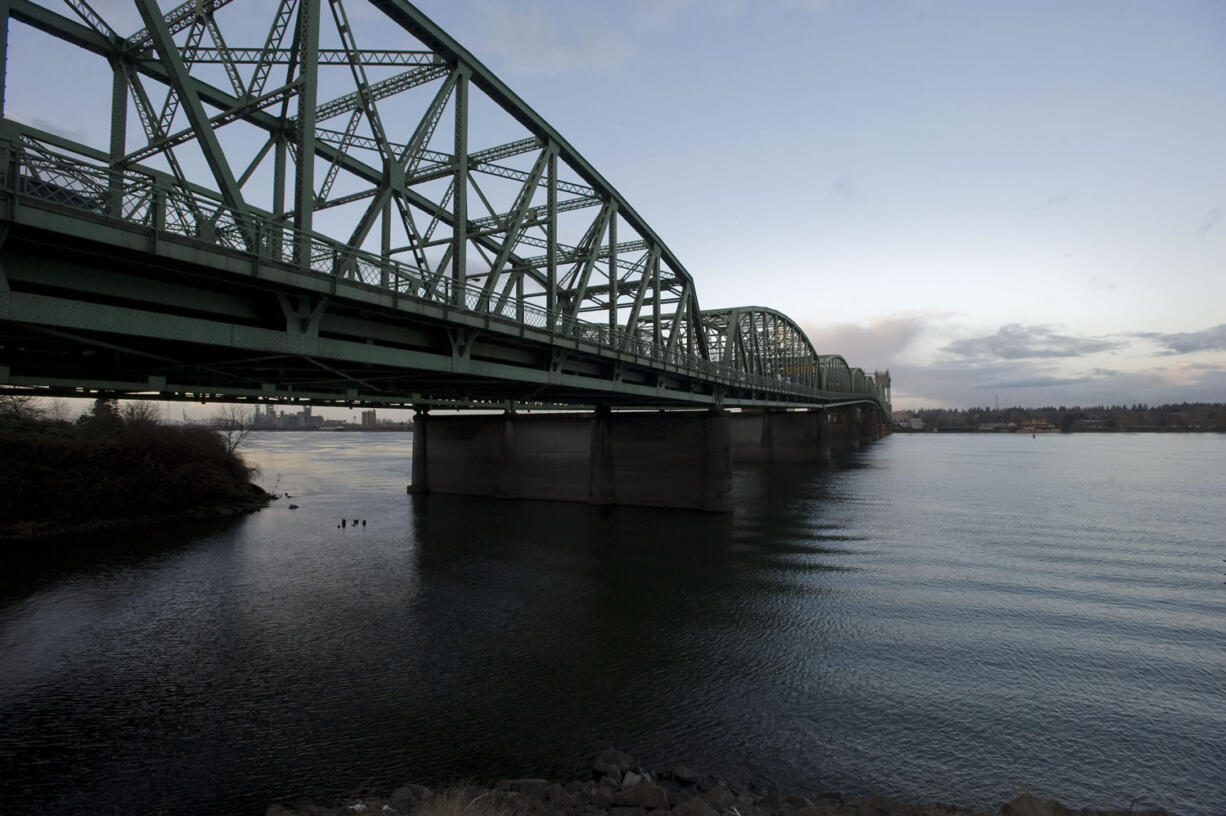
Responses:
[308,90]
[459,189]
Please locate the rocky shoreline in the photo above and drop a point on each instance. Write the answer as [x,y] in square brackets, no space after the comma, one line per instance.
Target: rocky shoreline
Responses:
[618,786]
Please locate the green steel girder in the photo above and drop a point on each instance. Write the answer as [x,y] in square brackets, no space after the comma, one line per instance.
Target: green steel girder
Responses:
[327,56]
[482,268]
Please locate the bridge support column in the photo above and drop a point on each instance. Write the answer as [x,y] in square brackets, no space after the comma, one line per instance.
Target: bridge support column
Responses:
[780,436]
[843,429]
[855,429]
[823,436]
[421,476]
[680,460]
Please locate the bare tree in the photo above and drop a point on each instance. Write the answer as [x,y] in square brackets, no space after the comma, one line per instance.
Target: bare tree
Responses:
[18,406]
[61,410]
[141,412]
[233,422]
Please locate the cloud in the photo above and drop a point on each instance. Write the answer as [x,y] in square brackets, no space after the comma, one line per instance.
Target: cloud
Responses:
[1055,201]
[526,40]
[1212,339]
[1036,382]
[1033,384]
[1210,220]
[1014,341]
[873,346]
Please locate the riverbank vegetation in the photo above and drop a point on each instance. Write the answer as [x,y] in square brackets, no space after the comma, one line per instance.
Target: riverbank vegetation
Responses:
[112,466]
[1172,417]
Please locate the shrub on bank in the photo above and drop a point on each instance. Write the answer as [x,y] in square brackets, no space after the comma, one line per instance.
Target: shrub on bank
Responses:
[104,467]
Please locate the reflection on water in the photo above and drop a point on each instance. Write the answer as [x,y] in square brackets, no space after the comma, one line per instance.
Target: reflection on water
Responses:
[937,618]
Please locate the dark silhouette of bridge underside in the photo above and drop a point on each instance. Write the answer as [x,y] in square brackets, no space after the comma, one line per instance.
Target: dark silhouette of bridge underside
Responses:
[302,218]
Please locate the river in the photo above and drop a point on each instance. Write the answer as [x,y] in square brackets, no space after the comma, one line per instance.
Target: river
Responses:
[954,618]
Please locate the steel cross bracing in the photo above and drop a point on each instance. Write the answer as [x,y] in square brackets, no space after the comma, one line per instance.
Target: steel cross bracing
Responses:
[398,164]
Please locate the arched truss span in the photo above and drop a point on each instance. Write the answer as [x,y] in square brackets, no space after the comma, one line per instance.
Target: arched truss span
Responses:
[376,149]
[756,340]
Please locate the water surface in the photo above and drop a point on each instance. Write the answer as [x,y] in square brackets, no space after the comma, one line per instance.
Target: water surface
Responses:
[953,618]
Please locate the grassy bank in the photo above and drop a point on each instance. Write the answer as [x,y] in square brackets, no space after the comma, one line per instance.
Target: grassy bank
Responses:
[105,469]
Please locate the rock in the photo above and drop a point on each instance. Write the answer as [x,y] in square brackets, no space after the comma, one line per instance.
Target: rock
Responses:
[685,774]
[882,806]
[277,810]
[602,798]
[559,796]
[631,779]
[402,799]
[613,762]
[695,807]
[529,787]
[772,800]
[407,797]
[627,811]
[1030,805]
[823,807]
[796,801]
[643,795]
[718,797]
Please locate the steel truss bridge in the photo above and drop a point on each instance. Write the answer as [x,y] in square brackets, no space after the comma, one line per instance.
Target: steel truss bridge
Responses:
[281,213]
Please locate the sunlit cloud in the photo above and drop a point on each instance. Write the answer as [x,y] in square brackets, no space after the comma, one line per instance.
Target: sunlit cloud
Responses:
[878,344]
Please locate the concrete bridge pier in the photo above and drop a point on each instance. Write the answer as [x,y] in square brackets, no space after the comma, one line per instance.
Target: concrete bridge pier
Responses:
[660,459]
[421,482]
[852,427]
[780,436]
[846,428]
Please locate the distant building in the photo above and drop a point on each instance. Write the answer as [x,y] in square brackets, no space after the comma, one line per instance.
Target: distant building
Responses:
[267,417]
[368,419]
[906,421]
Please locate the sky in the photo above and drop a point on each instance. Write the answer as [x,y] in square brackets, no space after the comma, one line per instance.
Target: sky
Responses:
[1013,202]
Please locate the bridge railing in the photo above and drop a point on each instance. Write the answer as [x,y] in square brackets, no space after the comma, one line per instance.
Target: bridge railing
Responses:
[37,170]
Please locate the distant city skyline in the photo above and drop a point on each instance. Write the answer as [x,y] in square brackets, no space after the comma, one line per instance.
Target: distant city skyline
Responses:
[1013,201]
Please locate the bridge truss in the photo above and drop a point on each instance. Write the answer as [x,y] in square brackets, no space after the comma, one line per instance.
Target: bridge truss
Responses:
[265,203]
